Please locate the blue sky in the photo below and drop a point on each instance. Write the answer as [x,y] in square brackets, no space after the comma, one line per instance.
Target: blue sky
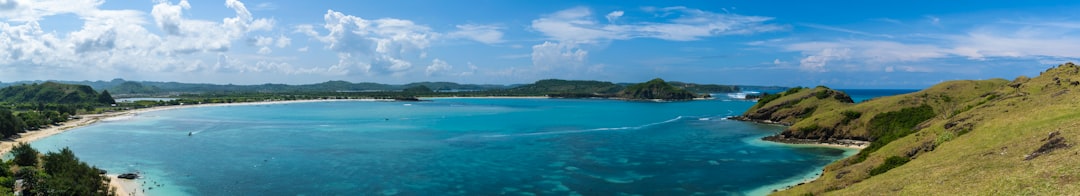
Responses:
[858,44]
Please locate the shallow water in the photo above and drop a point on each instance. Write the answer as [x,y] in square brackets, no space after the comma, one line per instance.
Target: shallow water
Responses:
[447,147]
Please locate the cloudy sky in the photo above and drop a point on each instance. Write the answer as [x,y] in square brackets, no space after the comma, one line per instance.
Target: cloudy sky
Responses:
[903,44]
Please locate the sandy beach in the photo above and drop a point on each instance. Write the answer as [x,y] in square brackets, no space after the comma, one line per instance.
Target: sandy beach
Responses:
[125,186]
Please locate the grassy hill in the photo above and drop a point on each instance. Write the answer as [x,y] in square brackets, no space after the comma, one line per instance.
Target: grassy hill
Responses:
[655,89]
[967,137]
[795,104]
[51,92]
[570,86]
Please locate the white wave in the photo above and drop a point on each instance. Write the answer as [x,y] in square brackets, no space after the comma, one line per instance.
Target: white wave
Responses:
[118,118]
[742,95]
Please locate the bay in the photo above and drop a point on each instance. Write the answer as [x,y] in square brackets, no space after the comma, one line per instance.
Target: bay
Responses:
[456,146]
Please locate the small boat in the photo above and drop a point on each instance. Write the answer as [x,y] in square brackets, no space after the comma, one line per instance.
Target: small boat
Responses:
[129,176]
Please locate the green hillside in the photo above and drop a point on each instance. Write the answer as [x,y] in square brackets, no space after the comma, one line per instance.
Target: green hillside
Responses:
[569,87]
[51,92]
[655,89]
[988,137]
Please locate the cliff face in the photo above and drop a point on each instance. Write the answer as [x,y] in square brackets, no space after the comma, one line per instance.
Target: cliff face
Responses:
[955,138]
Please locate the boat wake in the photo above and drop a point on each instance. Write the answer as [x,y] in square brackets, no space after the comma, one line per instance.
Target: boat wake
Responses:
[502,136]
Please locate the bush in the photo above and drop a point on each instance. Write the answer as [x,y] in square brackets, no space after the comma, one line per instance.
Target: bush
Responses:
[766,98]
[889,126]
[890,163]
[850,115]
[793,90]
[822,94]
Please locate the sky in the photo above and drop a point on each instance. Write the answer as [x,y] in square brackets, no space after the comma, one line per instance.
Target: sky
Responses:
[841,44]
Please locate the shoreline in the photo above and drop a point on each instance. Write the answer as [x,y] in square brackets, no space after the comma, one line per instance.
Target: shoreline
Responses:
[850,147]
[126,186]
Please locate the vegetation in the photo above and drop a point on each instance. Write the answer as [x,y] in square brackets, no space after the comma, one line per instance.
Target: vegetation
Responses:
[55,173]
[420,89]
[555,86]
[655,89]
[967,137]
[890,163]
[850,116]
[795,104]
[890,126]
[706,88]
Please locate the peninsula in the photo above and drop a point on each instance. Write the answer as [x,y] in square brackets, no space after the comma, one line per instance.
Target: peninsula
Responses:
[958,137]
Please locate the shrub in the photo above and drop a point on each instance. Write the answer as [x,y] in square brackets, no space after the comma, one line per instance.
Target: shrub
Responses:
[890,163]
[766,98]
[889,126]
[850,115]
[822,94]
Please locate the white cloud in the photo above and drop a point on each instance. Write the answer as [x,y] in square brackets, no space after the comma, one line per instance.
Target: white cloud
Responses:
[263,41]
[487,34]
[376,46]
[611,17]
[437,66]
[117,41]
[816,62]
[304,49]
[189,35]
[1029,41]
[26,11]
[264,50]
[472,70]
[558,56]
[283,41]
[577,24]
[265,6]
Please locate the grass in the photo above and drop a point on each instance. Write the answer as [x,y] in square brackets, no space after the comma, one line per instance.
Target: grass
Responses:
[1007,124]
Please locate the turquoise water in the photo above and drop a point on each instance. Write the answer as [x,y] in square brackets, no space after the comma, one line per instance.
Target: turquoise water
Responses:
[861,95]
[448,147]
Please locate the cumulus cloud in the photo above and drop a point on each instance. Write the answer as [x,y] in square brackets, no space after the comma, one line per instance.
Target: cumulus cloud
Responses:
[437,66]
[550,56]
[387,46]
[118,41]
[680,24]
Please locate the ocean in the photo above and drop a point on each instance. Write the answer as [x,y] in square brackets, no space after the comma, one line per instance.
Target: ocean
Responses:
[449,146]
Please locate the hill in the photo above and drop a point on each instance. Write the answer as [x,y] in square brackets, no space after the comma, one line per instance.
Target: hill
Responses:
[655,89]
[794,105]
[966,137]
[706,88]
[51,92]
[569,88]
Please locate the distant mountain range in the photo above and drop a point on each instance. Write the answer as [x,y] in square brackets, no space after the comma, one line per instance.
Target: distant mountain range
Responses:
[124,88]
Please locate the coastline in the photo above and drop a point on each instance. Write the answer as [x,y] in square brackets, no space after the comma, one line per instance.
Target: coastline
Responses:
[126,186]
[850,147]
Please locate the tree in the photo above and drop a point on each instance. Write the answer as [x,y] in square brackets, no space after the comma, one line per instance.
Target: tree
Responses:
[66,175]
[10,125]
[106,98]
[417,89]
[25,155]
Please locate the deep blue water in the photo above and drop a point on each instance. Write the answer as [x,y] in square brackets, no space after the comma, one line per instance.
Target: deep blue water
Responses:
[448,147]
[860,95]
